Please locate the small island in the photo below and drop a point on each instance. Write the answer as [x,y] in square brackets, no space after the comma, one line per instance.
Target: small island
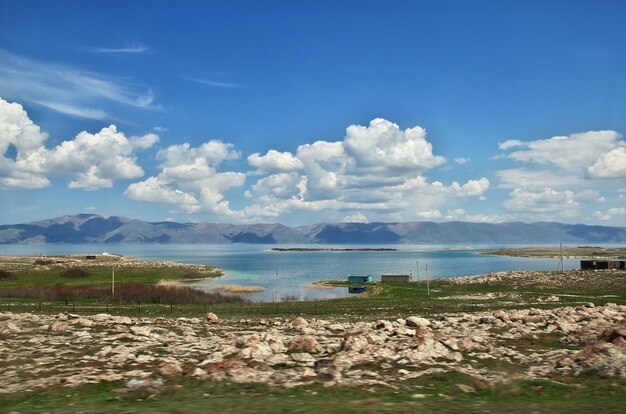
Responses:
[333,249]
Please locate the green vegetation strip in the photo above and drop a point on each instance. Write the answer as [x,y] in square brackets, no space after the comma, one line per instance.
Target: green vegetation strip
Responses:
[433,394]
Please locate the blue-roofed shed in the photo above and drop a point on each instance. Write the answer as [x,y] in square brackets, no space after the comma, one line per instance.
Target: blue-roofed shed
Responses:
[359,278]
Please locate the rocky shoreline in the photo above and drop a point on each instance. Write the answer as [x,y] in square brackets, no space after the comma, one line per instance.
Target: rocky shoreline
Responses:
[41,351]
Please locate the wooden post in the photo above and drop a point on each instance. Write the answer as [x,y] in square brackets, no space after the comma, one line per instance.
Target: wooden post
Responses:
[113,282]
[427,280]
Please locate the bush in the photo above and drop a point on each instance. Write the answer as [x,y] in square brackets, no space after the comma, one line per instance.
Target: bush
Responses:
[125,292]
[74,273]
[6,275]
[42,262]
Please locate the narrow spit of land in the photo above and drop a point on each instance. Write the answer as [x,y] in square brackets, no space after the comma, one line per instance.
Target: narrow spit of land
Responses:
[96,270]
[585,252]
[333,249]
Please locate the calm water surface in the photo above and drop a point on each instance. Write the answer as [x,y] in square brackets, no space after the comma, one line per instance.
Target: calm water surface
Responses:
[256,265]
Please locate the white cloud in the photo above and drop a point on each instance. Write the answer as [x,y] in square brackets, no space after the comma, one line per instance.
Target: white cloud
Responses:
[610,165]
[144,142]
[155,191]
[486,218]
[275,161]
[78,111]
[215,84]
[461,160]
[19,132]
[454,214]
[357,217]
[213,152]
[532,179]
[549,203]
[558,168]
[511,143]
[91,161]
[610,213]
[132,49]
[190,180]
[384,144]
[429,214]
[66,89]
[574,153]
[375,169]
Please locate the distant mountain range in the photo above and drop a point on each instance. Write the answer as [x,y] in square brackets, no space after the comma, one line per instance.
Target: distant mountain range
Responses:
[93,228]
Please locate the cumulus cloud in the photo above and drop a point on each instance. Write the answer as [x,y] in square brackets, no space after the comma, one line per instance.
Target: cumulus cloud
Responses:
[596,153]
[144,142]
[454,214]
[535,179]
[90,161]
[429,214]
[190,180]
[384,146]
[563,165]
[610,213]
[357,217]
[376,169]
[25,138]
[461,160]
[548,203]
[610,165]
[275,161]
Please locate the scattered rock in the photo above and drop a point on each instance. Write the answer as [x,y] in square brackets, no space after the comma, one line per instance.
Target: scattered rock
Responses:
[169,368]
[304,343]
[212,318]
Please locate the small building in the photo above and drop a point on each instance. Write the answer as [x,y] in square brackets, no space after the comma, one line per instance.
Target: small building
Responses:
[395,278]
[359,278]
[602,264]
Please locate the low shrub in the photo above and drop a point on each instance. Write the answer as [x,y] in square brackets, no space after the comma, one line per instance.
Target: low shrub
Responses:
[74,273]
[43,262]
[125,292]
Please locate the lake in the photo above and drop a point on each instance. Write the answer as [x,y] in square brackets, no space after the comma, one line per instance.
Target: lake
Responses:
[256,265]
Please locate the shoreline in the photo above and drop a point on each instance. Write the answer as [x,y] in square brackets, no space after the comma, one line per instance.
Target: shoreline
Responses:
[583,252]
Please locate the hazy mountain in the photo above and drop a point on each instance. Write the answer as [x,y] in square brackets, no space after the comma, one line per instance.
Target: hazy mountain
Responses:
[93,228]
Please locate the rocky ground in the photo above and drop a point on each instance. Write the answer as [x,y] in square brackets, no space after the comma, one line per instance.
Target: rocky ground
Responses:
[599,280]
[41,351]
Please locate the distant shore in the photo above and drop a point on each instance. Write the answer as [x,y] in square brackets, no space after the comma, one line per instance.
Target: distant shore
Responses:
[333,249]
[583,252]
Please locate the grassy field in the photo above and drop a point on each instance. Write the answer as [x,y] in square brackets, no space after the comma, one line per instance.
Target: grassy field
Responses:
[380,301]
[432,394]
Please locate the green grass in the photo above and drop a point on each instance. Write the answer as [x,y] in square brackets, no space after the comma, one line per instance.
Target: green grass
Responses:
[381,300]
[99,276]
[440,394]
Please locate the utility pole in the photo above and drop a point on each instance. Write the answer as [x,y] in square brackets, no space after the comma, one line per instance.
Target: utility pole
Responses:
[276,288]
[560,266]
[427,280]
[113,281]
[417,265]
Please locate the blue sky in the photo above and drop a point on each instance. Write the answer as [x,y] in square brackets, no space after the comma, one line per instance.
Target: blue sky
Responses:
[301,112]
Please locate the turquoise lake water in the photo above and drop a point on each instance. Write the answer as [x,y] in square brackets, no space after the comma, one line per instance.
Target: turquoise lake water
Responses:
[256,265]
